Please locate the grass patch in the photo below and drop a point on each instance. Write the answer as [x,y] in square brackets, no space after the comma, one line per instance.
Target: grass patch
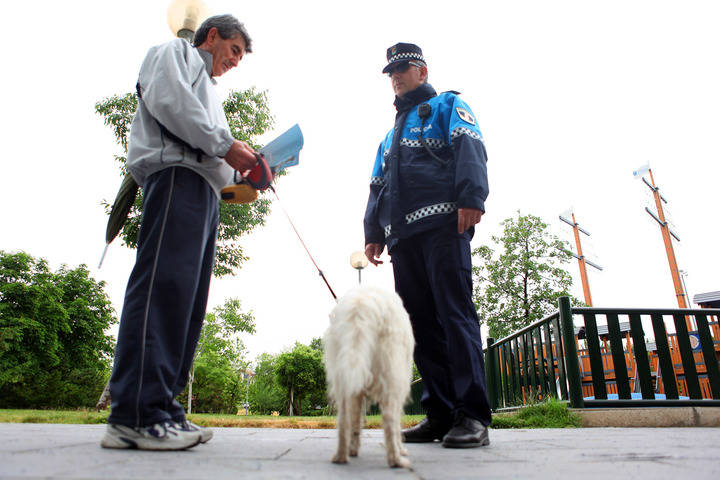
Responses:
[53,416]
[266,421]
[204,419]
[550,414]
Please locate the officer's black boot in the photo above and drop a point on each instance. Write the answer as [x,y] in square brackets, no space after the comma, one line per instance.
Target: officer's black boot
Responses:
[428,430]
[466,432]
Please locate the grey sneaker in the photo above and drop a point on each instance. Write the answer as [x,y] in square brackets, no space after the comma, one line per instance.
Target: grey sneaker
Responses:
[161,436]
[187,426]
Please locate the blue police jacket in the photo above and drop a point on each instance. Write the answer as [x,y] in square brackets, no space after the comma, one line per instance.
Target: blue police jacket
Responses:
[430,164]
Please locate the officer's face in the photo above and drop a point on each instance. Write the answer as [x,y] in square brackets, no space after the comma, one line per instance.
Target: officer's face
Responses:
[409,80]
[226,53]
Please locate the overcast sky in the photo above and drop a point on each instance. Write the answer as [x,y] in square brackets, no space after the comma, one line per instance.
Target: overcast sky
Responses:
[571,96]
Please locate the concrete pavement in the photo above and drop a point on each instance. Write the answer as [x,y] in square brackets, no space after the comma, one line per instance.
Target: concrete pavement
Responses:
[33,451]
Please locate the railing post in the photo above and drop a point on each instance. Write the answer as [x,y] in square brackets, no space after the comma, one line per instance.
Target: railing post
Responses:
[490,374]
[572,366]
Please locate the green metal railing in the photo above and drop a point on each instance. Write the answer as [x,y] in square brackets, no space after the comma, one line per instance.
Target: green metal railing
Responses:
[542,360]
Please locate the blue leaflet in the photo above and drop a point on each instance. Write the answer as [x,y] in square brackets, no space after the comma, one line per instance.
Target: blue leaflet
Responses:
[284,151]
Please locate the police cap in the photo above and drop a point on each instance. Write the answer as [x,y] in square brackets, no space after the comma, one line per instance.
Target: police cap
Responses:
[401,53]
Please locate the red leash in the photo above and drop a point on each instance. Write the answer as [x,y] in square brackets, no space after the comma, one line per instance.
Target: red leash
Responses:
[303,244]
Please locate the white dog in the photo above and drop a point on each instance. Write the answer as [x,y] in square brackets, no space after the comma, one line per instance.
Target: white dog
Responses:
[368,354]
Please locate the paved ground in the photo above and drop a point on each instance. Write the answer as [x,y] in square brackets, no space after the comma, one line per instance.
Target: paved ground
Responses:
[73,451]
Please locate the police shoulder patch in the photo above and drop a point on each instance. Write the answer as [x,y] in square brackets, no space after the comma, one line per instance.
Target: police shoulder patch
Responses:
[465,115]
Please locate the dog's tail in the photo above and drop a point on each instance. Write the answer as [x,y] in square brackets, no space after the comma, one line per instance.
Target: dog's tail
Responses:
[349,347]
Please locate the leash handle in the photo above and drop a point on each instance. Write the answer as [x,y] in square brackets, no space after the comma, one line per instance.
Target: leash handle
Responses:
[303,244]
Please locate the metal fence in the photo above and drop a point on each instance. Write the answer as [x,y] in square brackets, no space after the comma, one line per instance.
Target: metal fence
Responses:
[545,359]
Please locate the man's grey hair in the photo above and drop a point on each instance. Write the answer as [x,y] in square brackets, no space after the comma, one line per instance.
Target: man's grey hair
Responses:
[227,27]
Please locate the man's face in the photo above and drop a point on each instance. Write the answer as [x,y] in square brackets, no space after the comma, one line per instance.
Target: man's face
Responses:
[406,78]
[226,53]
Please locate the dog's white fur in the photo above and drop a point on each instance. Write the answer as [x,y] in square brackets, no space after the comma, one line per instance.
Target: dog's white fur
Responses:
[368,354]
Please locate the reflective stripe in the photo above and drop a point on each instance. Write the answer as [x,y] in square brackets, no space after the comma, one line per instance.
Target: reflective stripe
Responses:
[465,131]
[403,56]
[432,143]
[436,209]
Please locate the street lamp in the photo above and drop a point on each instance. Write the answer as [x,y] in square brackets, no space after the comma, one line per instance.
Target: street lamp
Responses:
[184,16]
[246,375]
[358,261]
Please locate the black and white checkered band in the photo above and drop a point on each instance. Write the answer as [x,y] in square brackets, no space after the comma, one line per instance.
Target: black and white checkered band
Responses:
[377,181]
[433,143]
[465,131]
[406,56]
[431,210]
[437,209]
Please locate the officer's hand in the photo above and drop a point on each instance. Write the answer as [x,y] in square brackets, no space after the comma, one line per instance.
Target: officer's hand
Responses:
[467,217]
[241,156]
[373,252]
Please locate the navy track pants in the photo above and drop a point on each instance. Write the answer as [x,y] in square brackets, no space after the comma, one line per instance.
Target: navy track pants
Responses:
[166,298]
[433,276]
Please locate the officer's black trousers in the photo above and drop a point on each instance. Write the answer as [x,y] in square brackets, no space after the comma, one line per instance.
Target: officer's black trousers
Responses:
[165,299]
[433,276]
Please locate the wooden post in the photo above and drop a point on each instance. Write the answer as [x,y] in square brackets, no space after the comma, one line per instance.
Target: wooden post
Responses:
[581,262]
[677,282]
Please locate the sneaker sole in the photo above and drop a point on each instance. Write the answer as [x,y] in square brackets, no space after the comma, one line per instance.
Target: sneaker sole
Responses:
[110,441]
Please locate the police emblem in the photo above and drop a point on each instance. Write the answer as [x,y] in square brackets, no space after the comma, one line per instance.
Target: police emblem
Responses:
[465,115]
[393,51]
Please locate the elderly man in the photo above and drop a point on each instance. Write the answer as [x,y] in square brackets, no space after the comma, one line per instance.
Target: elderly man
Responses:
[427,191]
[182,152]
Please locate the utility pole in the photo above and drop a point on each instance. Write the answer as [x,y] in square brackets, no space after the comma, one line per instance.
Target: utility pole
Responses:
[582,261]
[666,234]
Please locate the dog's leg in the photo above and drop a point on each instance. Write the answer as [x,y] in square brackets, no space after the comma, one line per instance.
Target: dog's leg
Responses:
[343,429]
[358,420]
[391,412]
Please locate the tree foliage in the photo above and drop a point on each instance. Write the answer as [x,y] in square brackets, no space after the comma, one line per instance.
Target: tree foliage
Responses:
[53,348]
[218,386]
[522,283]
[266,395]
[301,373]
[248,116]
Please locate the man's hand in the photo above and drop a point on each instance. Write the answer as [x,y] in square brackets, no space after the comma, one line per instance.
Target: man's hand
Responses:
[467,217]
[241,156]
[373,252]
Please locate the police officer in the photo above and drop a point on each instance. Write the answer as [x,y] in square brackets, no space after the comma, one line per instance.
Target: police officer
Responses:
[427,191]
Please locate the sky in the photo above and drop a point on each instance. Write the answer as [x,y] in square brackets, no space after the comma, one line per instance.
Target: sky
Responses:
[571,97]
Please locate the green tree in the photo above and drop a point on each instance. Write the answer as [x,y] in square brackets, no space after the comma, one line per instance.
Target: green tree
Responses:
[53,348]
[318,396]
[522,283]
[301,373]
[248,116]
[266,395]
[215,384]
